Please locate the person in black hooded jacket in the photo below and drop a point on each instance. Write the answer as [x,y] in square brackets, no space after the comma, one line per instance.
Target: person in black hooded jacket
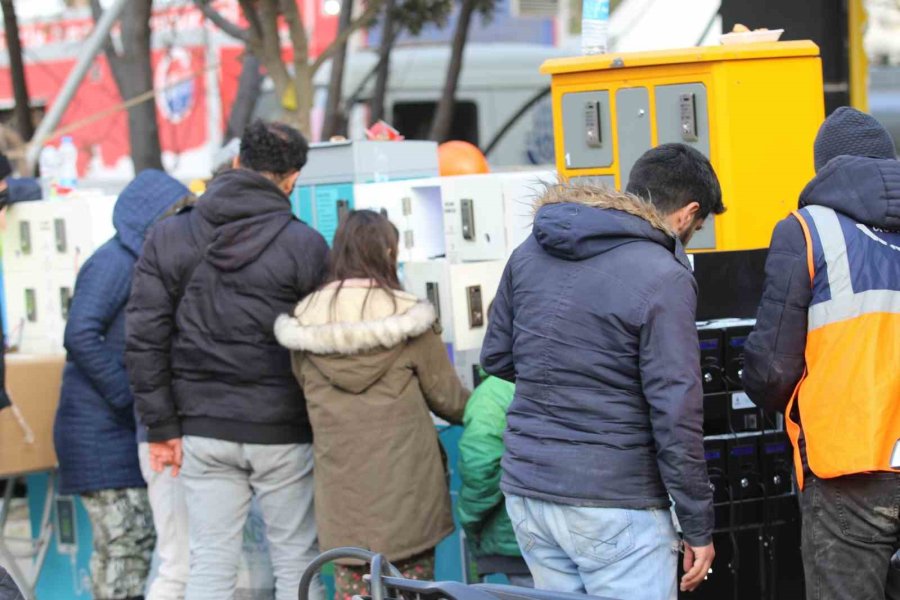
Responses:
[211,383]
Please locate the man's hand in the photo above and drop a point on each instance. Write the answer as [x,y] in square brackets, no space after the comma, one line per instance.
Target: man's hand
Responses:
[166,454]
[697,562]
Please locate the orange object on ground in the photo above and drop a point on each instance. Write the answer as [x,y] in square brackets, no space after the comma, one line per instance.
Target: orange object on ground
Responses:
[461,158]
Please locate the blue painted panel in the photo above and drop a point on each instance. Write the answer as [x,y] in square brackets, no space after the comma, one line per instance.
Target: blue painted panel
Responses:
[450,555]
[317,206]
[327,198]
[301,204]
[59,580]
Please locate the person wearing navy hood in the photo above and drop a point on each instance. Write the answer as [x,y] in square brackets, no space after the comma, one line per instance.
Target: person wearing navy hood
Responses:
[826,352]
[594,320]
[95,427]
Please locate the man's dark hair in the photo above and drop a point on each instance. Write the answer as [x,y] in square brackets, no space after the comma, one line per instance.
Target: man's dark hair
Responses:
[273,148]
[672,176]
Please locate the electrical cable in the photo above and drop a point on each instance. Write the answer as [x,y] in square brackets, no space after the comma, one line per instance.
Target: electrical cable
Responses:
[735,550]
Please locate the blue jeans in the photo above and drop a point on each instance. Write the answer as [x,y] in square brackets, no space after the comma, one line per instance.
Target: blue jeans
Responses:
[613,553]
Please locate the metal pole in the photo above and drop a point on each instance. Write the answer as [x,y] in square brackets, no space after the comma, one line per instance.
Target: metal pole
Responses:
[92,48]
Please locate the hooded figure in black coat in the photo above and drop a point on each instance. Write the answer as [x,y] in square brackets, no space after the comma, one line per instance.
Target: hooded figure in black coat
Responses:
[212,384]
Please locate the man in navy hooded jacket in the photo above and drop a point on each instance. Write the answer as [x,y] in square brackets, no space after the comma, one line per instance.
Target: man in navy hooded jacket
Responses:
[595,321]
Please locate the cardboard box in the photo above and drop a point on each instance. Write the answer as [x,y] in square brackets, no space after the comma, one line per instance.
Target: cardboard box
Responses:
[33,383]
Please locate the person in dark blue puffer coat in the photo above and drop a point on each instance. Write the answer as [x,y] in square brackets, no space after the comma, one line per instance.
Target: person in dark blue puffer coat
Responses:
[95,431]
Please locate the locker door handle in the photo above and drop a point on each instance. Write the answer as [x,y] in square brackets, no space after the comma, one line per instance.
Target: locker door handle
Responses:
[59,232]
[688,105]
[467,212]
[592,128]
[25,237]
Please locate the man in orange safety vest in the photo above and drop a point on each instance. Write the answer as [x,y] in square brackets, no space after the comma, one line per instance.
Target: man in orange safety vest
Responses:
[826,352]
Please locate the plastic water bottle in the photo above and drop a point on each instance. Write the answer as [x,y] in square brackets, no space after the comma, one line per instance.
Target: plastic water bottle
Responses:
[594,26]
[49,162]
[68,154]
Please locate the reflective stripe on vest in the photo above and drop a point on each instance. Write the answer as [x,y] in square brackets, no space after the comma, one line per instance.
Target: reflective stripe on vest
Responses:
[849,399]
[844,303]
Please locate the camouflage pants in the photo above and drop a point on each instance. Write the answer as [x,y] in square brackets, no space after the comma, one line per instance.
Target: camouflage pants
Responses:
[348,581]
[122,524]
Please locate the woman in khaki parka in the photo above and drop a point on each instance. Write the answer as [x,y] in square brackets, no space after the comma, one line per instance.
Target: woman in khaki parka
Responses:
[372,365]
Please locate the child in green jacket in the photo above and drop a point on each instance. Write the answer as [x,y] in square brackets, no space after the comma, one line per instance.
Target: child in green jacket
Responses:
[481,506]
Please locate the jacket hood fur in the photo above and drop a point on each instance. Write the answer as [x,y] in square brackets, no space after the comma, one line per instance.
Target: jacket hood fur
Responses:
[356,319]
[597,196]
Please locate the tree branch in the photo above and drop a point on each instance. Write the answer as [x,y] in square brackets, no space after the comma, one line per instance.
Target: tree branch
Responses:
[270,43]
[299,38]
[247,6]
[221,22]
[364,19]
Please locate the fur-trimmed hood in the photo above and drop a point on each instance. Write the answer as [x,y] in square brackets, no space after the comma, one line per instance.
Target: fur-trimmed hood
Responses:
[354,333]
[353,319]
[576,222]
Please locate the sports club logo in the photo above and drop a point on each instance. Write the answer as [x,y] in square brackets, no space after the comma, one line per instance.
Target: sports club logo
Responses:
[174,84]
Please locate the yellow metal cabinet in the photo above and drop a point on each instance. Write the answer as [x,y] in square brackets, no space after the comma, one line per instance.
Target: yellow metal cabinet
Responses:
[753,109]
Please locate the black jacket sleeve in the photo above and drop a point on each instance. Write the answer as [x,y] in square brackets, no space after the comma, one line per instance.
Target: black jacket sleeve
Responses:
[312,263]
[670,376]
[497,350]
[150,324]
[774,355]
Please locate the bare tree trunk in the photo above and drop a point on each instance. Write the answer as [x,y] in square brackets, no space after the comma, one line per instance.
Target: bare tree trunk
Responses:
[17,71]
[443,116]
[245,101]
[388,37]
[333,116]
[134,76]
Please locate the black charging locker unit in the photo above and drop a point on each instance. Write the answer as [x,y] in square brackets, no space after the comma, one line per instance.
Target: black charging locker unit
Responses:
[743,467]
[735,339]
[776,457]
[715,414]
[717,465]
[712,359]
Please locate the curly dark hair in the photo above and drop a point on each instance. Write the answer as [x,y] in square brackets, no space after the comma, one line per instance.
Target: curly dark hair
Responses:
[275,148]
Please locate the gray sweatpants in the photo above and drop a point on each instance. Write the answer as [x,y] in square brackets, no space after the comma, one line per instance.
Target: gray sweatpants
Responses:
[220,478]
